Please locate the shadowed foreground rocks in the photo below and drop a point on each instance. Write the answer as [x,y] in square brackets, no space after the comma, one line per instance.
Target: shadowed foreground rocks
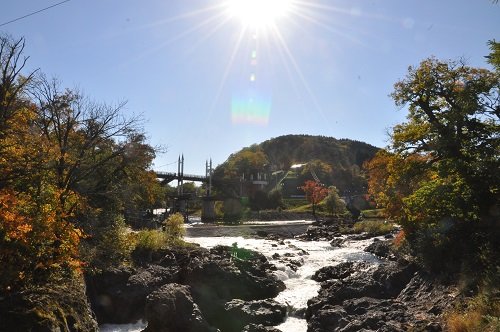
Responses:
[392,296]
[57,306]
[173,303]
[204,282]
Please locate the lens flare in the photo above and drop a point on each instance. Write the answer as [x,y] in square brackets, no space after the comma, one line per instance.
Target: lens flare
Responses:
[250,107]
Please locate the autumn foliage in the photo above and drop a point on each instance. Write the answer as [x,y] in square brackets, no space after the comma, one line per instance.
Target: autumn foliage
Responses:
[67,166]
[439,177]
[315,193]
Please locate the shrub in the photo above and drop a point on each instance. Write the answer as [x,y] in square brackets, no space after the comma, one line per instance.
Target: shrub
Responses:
[174,228]
[151,239]
[113,247]
[373,227]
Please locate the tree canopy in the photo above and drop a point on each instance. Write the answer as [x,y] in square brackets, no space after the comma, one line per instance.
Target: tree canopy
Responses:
[439,176]
[67,165]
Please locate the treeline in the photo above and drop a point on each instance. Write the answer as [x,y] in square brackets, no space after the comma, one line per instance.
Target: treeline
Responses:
[70,168]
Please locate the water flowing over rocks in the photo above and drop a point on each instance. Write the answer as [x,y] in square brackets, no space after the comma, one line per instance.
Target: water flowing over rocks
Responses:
[334,283]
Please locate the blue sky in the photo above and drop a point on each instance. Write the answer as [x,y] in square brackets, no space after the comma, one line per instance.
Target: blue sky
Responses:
[208,85]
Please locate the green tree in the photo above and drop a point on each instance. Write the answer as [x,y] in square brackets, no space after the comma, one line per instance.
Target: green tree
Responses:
[334,204]
[494,56]
[440,178]
[454,113]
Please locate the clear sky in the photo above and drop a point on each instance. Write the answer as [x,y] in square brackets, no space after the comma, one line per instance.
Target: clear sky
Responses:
[213,76]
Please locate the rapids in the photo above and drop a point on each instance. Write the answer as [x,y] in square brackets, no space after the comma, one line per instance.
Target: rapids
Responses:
[312,255]
[299,285]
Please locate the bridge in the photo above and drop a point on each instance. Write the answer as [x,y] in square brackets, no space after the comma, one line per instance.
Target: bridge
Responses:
[168,177]
[181,200]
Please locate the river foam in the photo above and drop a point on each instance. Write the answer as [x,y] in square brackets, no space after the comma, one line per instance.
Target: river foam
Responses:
[312,255]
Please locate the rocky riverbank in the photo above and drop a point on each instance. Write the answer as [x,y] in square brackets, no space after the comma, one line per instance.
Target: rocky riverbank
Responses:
[391,296]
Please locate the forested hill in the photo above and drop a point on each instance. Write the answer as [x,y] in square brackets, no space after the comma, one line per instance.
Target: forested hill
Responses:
[285,151]
[335,161]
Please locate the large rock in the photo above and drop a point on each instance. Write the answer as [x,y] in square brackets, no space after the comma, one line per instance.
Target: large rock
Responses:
[240,313]
[171,309]
[388,298]
[340,271]
[119,295]
[216,276]
[220,277]
[53,307]
[381,249]
[259,328]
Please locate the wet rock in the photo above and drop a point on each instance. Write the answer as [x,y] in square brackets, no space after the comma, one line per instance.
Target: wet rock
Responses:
[387,298]
[221,277]
[216,276]
[171,308]
[328,318]
[106,295]
[240,313]
[337,242]
[358,237]
[340,271]
[259,328]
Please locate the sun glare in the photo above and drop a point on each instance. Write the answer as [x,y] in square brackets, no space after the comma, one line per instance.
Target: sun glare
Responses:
[258,13]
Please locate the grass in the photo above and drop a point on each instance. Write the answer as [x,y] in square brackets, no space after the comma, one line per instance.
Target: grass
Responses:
[373,227]
[481,313]
[375,213]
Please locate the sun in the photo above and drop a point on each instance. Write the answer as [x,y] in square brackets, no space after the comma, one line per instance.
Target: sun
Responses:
[258,14]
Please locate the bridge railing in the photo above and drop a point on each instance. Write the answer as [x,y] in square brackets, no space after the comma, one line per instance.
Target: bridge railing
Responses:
[176,176]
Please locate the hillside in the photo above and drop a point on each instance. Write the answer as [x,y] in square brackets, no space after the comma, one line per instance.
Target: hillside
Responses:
[335,162]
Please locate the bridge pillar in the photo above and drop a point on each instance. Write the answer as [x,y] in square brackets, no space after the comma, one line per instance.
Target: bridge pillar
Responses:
[208,210]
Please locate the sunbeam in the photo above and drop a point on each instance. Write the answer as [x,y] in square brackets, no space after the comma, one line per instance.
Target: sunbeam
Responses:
[301,76]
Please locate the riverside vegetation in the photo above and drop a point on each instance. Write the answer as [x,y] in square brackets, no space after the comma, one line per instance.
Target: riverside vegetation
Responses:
[74,175]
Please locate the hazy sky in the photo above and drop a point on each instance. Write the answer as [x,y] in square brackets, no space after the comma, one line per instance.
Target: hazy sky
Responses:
[210,77]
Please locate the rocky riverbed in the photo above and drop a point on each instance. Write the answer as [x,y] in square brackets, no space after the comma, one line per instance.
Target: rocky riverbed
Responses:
[230,288]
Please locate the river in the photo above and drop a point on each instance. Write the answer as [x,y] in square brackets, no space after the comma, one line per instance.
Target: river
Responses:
[299,286]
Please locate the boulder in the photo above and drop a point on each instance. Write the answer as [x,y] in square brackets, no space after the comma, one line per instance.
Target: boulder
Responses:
[118,296]
[52,307]
[240,313]
[340,271]
[337,242]
[222,277]
[171,309]
[259,328]
[381,249]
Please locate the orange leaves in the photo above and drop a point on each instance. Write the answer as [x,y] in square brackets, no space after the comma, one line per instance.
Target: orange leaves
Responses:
[36,235]
[315,191]
[12,223]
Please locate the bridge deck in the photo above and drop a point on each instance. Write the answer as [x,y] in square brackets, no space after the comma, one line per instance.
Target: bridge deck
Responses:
[171,176]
